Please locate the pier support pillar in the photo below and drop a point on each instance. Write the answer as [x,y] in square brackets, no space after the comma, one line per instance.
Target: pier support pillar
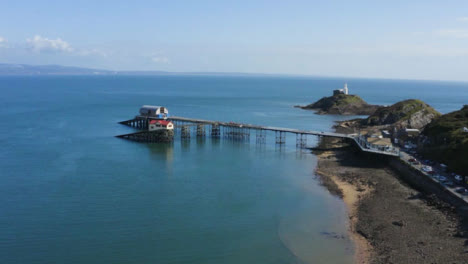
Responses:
[185,132]
[261,136]
[215,131]
[280,137]
[200,130]
[227,132]
[301,140]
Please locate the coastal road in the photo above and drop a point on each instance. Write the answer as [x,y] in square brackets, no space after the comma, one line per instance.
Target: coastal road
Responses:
[438,172]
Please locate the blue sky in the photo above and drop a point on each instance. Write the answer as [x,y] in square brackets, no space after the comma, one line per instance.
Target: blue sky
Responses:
[381,39]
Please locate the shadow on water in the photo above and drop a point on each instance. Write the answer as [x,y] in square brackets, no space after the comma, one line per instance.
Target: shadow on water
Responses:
[163,151]
[215,142]
[185,145]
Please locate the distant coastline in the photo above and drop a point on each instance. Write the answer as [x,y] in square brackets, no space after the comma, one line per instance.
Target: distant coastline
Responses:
[60,70]
[19,69]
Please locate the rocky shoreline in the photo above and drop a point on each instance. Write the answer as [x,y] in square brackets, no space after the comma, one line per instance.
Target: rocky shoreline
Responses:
[389,221]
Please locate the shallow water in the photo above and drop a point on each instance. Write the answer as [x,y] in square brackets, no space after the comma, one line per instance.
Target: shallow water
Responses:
[72,193]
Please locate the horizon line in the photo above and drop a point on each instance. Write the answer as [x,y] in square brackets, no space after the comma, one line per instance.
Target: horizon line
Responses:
[103,72]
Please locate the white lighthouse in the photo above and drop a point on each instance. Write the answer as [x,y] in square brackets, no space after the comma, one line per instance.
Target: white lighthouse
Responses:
[341,91]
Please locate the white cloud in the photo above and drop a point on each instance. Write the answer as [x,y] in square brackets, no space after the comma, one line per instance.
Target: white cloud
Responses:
[160,59]
[454,33]
[40,44]
[3,42]
[462,19]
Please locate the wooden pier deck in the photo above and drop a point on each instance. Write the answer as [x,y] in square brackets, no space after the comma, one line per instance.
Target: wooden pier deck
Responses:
[242,131]
[362,145]
[268,128]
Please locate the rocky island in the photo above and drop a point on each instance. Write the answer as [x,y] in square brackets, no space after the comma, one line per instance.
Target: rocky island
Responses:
[342,103]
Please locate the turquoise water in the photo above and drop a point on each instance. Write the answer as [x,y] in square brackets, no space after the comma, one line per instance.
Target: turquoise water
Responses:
[72,193]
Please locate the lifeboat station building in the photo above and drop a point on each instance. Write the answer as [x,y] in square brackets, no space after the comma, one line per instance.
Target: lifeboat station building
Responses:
[154,111]
[160,124]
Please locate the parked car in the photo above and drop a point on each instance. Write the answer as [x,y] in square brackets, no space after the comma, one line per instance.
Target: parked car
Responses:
[413,162]
[458,178]
[448,183]
[461,190]
[426,168]
[442,178]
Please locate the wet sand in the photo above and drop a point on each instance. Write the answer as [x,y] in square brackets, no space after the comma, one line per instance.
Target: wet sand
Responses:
[389,221]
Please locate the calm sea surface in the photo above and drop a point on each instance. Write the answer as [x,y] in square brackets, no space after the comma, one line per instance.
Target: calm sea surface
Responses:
[70,192]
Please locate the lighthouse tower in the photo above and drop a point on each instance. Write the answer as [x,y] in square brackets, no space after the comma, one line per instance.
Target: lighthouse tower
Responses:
[345,89]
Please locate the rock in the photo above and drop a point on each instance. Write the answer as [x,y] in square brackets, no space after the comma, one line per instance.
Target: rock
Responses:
[410,113]
[342,104]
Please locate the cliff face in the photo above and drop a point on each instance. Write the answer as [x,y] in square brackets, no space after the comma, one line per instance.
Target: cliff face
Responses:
[446,141]
[342,104]
[410,113]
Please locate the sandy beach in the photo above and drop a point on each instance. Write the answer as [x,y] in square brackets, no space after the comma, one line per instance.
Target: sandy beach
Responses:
[351,195]
[389,221]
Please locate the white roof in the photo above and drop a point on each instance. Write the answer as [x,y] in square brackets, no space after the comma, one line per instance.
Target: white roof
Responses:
[151,106]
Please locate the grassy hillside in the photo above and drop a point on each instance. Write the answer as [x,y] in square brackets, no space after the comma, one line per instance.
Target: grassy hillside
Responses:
[447,142]
[408,113]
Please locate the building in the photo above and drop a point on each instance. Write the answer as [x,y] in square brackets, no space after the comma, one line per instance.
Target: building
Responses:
[160,124]
[341,91]
[407,137]
[154,111]
[411,132]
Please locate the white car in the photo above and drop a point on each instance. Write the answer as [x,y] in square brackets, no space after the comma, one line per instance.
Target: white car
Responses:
[458,178]
[426,168]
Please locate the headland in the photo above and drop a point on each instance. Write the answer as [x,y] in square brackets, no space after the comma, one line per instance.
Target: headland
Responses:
[395,216]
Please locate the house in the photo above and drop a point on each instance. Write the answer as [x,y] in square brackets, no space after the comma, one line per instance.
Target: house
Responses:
[341,91]
[154,111]
[160,124]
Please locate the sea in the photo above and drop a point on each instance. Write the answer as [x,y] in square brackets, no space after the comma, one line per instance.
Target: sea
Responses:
[71,192]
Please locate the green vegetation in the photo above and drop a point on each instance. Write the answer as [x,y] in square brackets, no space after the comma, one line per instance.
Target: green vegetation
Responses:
[446,140]
[342,104]
[411,113]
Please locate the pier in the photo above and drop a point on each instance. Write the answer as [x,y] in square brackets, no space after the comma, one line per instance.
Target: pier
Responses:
[242,132]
